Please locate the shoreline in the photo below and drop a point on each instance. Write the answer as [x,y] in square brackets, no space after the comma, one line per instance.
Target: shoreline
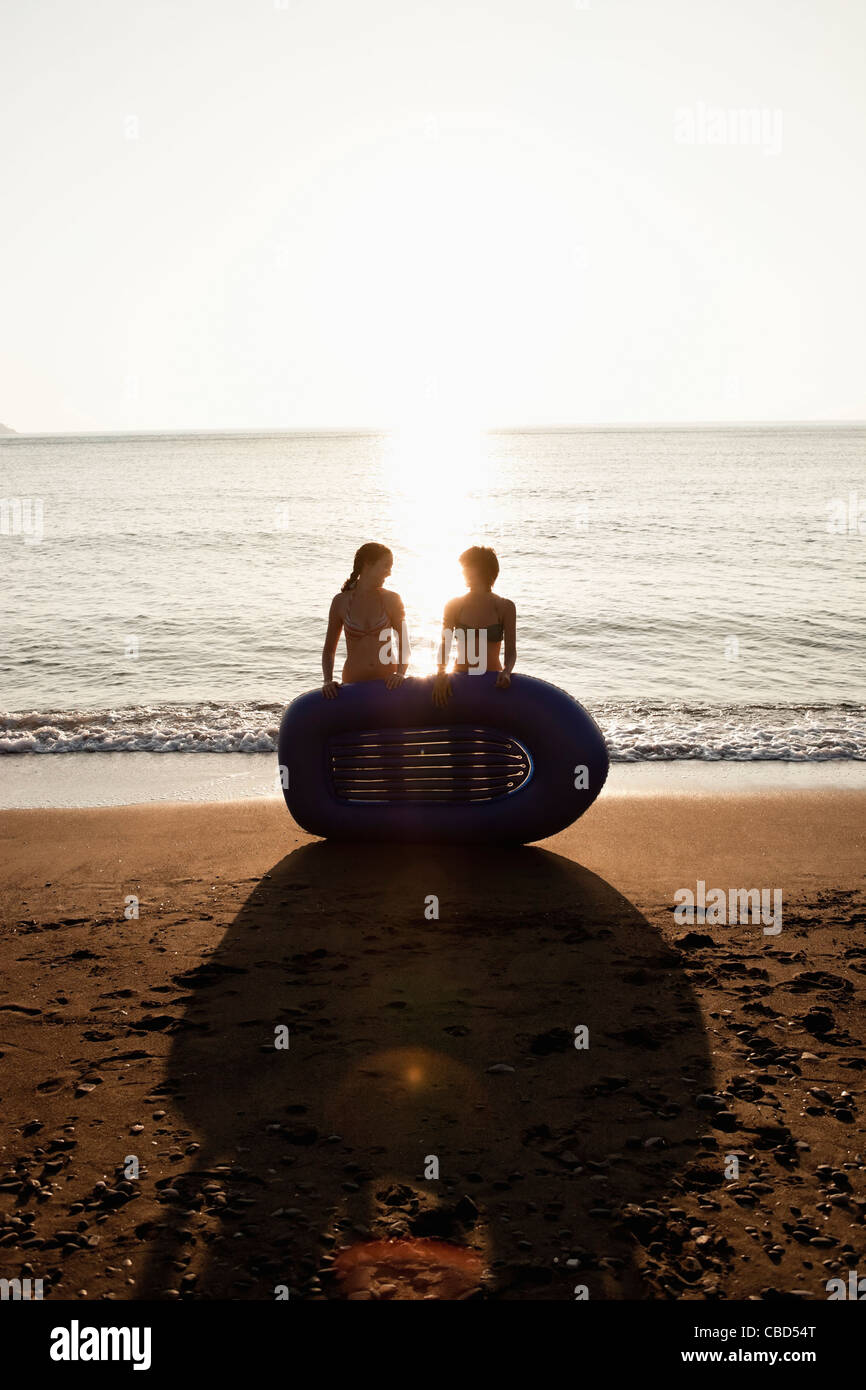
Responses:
[68,780]
[153,1037]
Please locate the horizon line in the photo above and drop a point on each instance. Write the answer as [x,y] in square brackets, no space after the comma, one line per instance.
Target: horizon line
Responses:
[382,431]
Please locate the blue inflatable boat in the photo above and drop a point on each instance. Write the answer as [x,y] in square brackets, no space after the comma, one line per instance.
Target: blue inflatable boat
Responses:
[495,766]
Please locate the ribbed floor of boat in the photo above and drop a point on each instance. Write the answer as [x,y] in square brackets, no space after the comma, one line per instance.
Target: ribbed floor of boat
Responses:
[452,765]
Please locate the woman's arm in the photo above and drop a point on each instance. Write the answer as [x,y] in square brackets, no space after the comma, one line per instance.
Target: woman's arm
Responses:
[397,613]
[444,649]
[329,650]
[441,683]
[509,622]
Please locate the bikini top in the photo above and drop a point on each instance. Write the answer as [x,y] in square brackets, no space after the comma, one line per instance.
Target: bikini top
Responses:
[495,632]
[356,630]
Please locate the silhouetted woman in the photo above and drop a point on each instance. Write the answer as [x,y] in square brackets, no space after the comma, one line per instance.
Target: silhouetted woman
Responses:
[481,621]
[367,613]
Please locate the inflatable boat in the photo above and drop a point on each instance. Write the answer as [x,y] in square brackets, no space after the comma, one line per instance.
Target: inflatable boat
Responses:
[494,767]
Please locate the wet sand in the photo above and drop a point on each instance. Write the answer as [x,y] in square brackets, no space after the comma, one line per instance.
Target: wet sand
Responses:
[430,1129]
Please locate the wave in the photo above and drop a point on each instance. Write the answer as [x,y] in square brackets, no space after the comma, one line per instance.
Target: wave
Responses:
[636,731]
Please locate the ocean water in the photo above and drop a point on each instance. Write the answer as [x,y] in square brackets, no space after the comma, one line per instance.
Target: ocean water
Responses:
[698,589]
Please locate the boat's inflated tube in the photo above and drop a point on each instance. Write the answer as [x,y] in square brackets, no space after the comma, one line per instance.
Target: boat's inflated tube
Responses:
[495,766]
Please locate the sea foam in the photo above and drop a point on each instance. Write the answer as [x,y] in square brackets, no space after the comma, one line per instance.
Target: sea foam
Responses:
[640,731]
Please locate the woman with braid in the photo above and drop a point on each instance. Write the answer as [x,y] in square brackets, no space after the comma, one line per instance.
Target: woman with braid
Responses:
[368,614]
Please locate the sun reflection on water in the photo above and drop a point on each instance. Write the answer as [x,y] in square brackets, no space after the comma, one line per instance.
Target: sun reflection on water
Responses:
[437,483]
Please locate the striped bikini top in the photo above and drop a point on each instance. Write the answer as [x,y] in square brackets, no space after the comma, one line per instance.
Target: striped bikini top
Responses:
[356,630]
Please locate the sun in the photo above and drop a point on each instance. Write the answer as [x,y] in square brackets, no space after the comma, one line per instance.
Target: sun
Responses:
[437,474]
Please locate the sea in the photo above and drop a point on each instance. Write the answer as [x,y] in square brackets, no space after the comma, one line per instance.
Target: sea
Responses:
[699,589]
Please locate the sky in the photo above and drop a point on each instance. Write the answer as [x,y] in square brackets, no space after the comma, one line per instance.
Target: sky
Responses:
[256,214]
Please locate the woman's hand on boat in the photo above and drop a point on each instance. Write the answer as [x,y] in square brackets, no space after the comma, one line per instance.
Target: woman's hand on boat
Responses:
[330,688]
[503,680]
[396,678]
[441,690]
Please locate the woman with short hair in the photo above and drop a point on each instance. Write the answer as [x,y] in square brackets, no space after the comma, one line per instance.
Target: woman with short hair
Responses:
[481,621]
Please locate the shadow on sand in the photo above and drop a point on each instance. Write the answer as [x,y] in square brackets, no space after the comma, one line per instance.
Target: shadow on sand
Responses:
[416,1041]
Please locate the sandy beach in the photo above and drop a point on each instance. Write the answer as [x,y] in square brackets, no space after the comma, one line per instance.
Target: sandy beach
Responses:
[417,1044]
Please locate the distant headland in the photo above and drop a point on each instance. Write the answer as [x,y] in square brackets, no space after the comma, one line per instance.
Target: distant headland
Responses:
[4,429]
